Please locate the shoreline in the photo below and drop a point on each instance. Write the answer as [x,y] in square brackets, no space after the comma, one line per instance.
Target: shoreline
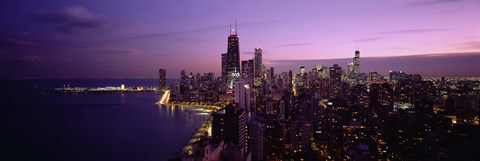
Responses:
[186,148]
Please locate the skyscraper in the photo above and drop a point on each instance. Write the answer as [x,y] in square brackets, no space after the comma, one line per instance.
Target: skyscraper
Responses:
[335,80]
[183,76]
[350,70]
[233,57]
[224,66]
[162,74]
[242,94]
[275,137]
[302,70]
[272,75]
[230,125]
[245,69]
[335,74]
[256,137]
[356,63]
[250,68]
[257,63]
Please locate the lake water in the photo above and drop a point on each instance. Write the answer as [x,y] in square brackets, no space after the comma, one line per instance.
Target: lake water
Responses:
[127,126]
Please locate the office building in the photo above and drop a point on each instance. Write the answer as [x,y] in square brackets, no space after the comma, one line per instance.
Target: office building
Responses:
[257,61]
[230,125]
[233,58]
[162,82]
[224,66]
[356,63]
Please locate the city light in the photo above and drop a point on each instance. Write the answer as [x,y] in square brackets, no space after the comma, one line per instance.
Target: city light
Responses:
[186,81]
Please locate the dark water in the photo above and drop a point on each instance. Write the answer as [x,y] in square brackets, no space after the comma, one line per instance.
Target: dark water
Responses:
[89,127]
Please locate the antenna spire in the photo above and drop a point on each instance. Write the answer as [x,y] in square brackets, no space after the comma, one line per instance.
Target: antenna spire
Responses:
[235,26]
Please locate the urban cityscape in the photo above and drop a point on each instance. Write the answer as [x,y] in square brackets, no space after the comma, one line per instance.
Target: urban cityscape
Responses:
[240,81]
[327,113]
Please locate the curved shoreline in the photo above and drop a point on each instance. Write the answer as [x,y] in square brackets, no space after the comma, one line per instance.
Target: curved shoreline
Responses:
[198,132]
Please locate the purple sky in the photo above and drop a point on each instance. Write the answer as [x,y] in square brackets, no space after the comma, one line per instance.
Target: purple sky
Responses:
[92,39]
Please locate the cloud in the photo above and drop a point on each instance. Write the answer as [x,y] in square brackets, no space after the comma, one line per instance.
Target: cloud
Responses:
[38,40]
[472,45]
[295,44]
[34,47]
[430,2]
[117,51]
[161,55]
[163,34]
[412,31]
[185,32]
[72,19]
[368,39]
[153,35]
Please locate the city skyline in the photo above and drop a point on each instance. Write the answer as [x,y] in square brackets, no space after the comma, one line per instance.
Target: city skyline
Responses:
[87,39]
[240,80]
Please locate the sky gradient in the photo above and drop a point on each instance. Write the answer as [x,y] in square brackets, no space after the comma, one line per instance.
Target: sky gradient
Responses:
[105,39]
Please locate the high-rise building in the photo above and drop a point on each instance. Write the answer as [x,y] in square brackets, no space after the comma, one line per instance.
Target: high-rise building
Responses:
[183,76]
[335,74]
[162,75]
[184,82]
[256,137]
[356,63]
[272,74]
[233,58]
[350,72]
[224,66]
[209,76]
[242,94]
[230,125]
[300,136]
[335,80]
[275,137]
[302,70]
[245,69]
[257,61]
[250,68]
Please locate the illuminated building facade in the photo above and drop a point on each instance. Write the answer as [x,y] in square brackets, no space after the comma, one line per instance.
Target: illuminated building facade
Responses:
[335,80]
[247,69]
[302,70]
[332,114]
[356,63]
[229,124]
[242,94]
[257,61]
[233,58]
[256,137]
[275,137]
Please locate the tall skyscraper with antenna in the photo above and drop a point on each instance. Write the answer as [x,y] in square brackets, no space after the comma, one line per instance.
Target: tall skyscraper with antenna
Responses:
[233,56]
